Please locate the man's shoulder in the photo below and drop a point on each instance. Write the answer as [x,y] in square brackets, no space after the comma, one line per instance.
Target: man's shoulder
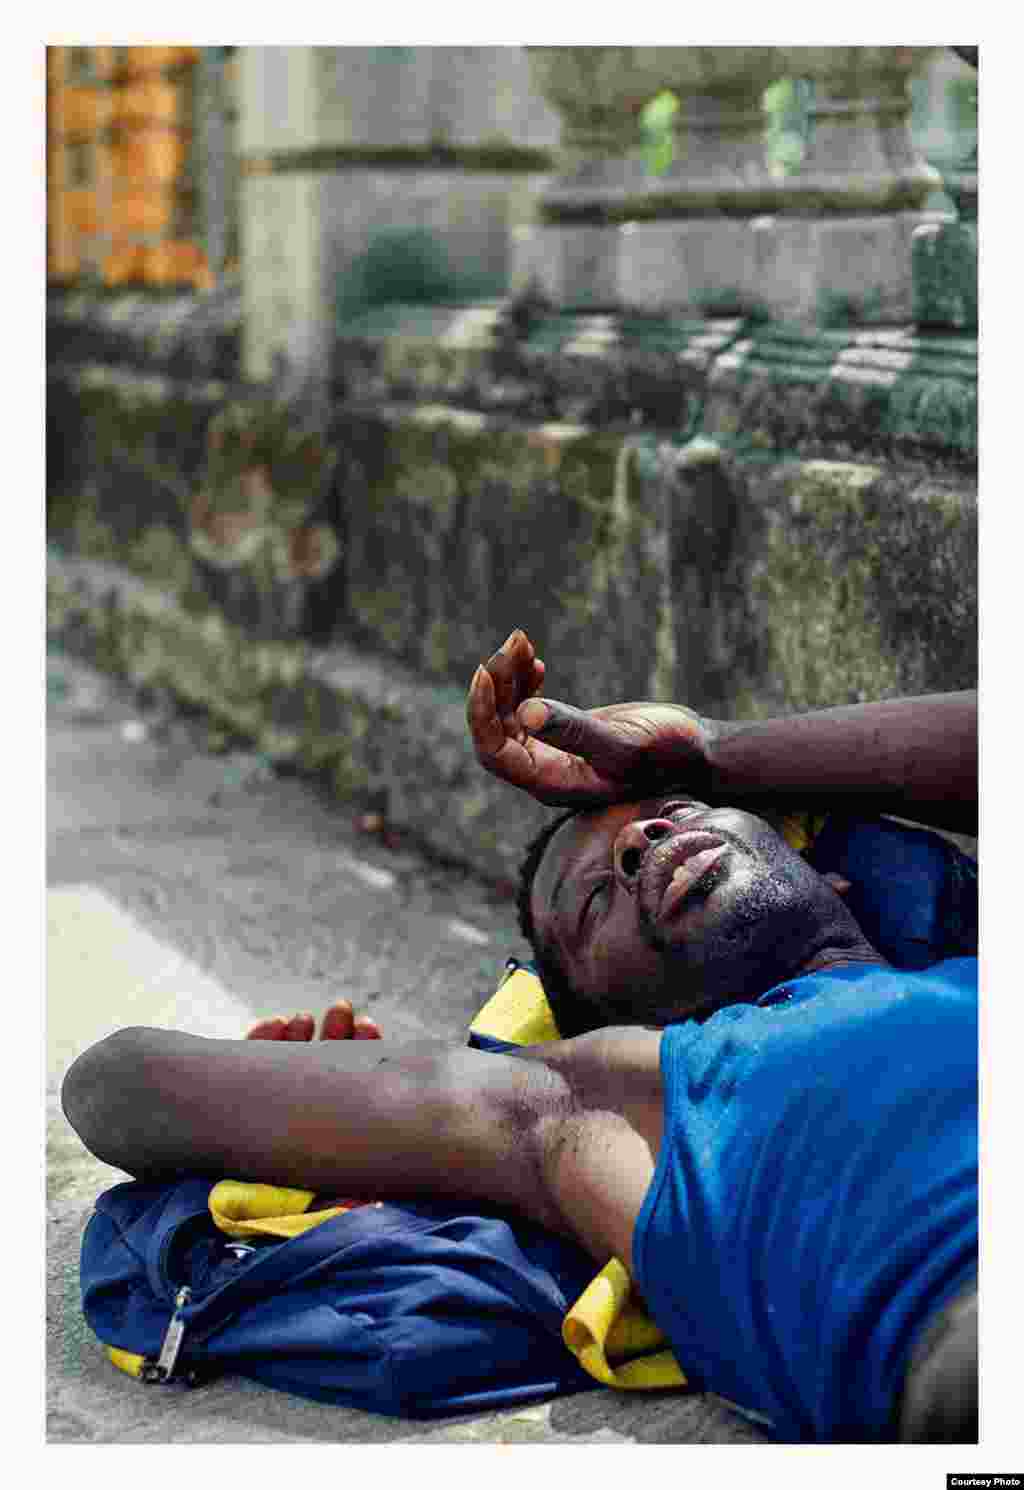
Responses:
[869,981]
[855,991]
[825,1025]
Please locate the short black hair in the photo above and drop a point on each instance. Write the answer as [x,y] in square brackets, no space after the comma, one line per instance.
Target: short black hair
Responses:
[573,1015]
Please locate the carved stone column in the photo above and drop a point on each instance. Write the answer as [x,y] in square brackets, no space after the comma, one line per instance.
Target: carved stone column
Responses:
[839,247]
[862,158]
[692,240]
[572,252]
[374,175]
[945,254]
[614,235]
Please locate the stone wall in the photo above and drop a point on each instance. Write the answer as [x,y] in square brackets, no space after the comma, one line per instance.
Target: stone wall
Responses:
[789,521]
[359,460]
[378,174]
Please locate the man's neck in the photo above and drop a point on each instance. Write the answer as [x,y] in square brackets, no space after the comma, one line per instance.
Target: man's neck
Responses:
[833,957]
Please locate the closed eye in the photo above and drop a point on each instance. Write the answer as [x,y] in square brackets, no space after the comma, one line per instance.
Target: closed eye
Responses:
[593,902]
[681,805]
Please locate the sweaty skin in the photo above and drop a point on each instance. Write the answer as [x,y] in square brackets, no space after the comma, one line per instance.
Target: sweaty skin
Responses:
[669,908]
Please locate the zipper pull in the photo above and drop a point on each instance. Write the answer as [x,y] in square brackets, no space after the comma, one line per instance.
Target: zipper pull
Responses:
[162,1369]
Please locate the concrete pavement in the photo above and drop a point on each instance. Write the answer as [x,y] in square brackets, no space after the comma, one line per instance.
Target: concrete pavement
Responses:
[199,890]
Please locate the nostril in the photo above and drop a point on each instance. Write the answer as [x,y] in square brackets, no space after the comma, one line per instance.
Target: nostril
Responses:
[630,862]
[654,831]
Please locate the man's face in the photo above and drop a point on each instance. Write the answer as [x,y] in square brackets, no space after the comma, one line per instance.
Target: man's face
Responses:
[667,907]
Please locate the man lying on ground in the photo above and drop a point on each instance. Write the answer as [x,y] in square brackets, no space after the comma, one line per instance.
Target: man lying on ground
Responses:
[779,1135]
[914,757]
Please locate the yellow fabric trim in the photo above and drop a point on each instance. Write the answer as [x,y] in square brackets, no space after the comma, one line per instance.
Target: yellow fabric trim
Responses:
[616,1341]
[604,1322]
[800,829]
[265,1210]
[126,1360]
[518,1012]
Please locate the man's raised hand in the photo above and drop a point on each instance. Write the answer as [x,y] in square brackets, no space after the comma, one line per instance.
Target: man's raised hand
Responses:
[571,757]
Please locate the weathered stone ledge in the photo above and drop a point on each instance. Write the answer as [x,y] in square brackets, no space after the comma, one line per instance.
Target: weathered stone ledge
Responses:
[184,334]
[380,735]
[499,155]
[889,391]
[639,570]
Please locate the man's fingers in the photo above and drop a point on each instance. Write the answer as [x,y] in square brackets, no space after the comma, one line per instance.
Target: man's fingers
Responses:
[551,770]
[577,732]
[485,727]
[511,670]
[337,1022]
[551,775]
[268,1029]
[497,688]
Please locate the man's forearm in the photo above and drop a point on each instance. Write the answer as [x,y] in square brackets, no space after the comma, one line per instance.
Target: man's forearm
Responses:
[912,756]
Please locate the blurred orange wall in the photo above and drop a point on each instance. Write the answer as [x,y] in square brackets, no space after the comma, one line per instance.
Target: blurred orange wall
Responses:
[120,204]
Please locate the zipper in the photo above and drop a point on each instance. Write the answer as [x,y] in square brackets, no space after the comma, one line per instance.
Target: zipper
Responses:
[163,1368]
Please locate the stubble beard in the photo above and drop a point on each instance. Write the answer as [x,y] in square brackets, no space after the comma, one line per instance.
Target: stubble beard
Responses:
[746,949]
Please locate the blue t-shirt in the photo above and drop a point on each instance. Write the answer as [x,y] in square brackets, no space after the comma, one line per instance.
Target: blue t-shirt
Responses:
[816,1193]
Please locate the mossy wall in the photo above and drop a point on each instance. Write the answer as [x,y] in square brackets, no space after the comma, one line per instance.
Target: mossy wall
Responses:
[866,586]
[641,568]
[724,549]
[648,569]
[457,533]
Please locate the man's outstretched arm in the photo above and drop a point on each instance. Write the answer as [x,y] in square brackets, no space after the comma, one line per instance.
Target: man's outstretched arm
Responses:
[566,1134]
[915,757]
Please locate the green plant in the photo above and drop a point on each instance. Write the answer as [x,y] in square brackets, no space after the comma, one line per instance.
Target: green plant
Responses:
[836,310]
[787,106]
[409,266]
[656,141]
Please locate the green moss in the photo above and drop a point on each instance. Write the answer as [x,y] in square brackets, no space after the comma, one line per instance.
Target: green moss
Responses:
[835,309]
[381,606]
[159,554]
[437,647]
[467,531]
[489,155]
[935,412]
[348,778]
[93,537]
[868,591]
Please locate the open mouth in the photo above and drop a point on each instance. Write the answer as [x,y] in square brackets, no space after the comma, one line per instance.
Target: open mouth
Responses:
[685,864]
